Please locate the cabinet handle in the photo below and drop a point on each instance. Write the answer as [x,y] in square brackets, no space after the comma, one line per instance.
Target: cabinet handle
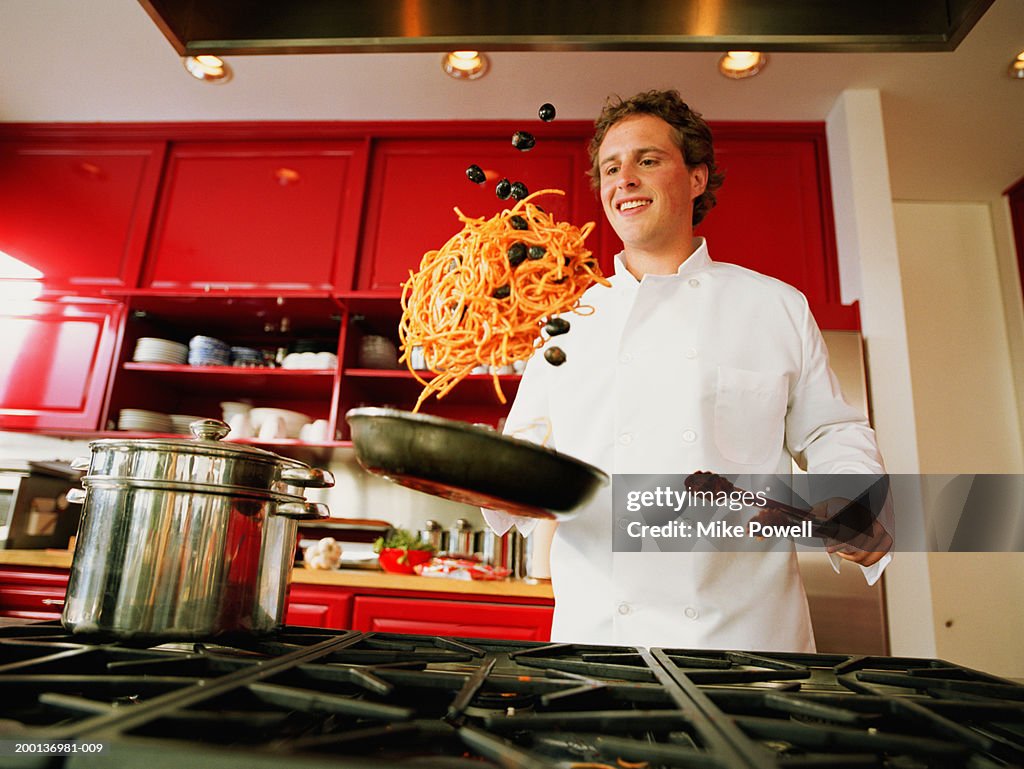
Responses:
[53,602]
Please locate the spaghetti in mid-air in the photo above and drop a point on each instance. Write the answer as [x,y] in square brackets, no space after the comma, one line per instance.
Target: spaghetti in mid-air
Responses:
[484,297]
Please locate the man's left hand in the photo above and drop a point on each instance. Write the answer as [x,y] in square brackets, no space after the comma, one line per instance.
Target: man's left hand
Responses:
[866,546]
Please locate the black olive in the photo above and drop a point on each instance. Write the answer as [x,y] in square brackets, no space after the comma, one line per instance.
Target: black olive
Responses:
[503,189]
[476,174]
[519,190]
[523,140]
[537,252]
[516,254]
[518,223]
[555,356]
[546,112]
[556,326]
[502,292]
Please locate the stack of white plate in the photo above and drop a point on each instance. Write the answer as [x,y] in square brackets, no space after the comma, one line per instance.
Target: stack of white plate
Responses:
[152,350]
[180,423]
[142,421]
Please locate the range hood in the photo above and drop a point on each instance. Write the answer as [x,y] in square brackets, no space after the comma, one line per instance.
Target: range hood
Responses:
[236,27]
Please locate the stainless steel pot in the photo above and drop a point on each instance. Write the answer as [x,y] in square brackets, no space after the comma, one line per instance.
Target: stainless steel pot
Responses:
[186,539]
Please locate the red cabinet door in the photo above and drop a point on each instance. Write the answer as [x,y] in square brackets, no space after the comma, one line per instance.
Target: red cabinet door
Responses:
[74,215]
[774,213]
[319,606]
[415,184]
[55,360]
[31,593]
[256,215]
[466,619]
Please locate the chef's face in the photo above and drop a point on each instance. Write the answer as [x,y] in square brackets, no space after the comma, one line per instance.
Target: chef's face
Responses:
[647,189]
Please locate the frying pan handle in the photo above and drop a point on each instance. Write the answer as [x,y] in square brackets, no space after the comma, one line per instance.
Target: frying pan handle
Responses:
[308,477]
[302,511]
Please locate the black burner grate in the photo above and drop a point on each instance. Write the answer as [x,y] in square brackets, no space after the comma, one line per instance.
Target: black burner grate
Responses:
[319,698]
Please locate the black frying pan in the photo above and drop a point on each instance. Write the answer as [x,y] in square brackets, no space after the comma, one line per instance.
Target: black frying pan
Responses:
[470,464]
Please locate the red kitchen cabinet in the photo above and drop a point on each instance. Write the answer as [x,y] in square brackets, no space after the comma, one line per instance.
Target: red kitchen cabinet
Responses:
[54,363]
[415,184]
[319,606]
[516,622]
[32,593]
[74,215]
[256,215]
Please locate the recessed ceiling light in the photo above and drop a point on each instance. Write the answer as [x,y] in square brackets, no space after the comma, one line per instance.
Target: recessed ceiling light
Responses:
[465,65]
[1017,66]
[208,68]
[741,64]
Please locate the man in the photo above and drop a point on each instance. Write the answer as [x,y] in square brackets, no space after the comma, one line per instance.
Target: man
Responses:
[686,364]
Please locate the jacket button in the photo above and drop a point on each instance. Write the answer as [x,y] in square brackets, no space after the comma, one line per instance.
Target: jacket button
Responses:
[625,358]
[625,439]
[694,283]
[625,608]
[689,436]
[691,613]
[691,353]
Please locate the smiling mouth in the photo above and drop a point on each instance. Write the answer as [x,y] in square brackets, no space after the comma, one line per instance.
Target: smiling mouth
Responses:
[629,205]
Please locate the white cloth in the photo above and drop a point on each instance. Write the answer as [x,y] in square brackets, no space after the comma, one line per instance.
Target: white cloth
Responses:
[713,368]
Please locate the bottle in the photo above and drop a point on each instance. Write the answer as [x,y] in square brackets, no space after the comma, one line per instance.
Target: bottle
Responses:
[432,534]
[460,539]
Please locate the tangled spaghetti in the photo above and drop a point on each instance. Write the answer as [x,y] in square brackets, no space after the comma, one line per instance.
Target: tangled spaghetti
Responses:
[484,296]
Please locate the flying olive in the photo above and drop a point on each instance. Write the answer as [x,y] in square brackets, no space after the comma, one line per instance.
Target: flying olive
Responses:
[555,356]
[556,326]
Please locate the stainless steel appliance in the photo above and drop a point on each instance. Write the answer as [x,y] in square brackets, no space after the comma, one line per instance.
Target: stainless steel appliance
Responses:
[313,697]
[847,614]
[35,511]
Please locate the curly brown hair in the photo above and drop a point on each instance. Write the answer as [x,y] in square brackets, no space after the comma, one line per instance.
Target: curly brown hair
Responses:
[691,134]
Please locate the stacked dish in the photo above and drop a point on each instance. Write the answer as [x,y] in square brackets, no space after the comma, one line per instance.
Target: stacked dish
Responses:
[142,421]
[153,350]
[207,351]
[377,352]
[271,423]
[246,357]
[180,423]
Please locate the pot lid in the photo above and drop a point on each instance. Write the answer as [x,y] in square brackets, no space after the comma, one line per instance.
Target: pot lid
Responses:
[207,438]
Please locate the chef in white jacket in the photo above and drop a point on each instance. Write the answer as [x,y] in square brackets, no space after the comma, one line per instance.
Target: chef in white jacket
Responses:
[685,364]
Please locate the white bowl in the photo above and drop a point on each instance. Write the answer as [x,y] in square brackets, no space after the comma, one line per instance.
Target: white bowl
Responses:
[293,420]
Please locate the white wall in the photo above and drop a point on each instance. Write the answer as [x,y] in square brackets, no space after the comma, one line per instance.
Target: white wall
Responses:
[966,408]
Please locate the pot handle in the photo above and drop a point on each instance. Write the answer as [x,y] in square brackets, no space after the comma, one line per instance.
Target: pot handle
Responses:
[308,477]
[302,511]
[75,496]
[81,463]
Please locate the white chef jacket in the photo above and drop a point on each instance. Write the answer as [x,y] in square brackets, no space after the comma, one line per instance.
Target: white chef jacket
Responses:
[717,368]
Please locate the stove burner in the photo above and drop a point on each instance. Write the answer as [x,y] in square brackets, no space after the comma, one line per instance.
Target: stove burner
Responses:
[350,699]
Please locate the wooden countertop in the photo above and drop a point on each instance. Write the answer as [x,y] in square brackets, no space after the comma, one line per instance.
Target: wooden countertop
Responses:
[353,578]
[49,559]
[366,578]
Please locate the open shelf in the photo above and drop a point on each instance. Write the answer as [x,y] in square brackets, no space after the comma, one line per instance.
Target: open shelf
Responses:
[235,382]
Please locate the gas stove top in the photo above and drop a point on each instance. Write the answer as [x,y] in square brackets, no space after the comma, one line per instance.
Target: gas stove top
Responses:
[308,697]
